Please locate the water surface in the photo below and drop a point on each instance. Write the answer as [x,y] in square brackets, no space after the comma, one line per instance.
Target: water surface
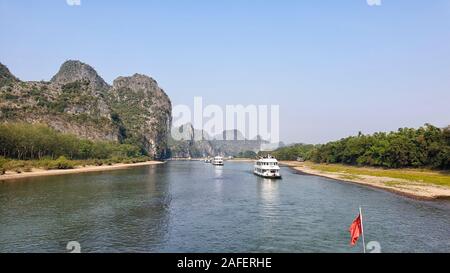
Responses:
[196,207]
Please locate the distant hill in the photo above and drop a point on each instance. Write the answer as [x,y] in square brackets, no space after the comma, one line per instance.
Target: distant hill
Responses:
[78,101]
[197,143]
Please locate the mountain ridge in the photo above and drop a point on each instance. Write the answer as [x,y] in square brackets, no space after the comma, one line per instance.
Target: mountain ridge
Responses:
[78,101]
[195,143]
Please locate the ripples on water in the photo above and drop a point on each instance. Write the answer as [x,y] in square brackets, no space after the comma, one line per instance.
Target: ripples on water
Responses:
[196,207]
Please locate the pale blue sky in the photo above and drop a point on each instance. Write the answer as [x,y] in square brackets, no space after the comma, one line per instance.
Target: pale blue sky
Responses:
[335,67]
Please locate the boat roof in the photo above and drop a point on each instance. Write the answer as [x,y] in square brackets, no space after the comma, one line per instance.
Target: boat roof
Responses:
[268,159]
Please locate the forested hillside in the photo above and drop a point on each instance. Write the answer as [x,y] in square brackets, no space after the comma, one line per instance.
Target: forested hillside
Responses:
[428,146]
[24,141]
[24,146]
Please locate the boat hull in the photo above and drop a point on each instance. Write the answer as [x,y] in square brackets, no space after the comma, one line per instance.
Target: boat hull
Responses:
[268,176]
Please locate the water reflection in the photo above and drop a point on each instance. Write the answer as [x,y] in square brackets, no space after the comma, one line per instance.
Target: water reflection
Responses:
[218,172]
[268,191]
[269,196]
[151,181]
[107,212]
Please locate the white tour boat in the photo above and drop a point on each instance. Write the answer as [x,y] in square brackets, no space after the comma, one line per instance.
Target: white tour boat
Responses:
[267,167]
[218,161]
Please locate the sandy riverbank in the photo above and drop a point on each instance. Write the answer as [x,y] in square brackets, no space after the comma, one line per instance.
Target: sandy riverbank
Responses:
[410,188]
[39,172]
[241,160]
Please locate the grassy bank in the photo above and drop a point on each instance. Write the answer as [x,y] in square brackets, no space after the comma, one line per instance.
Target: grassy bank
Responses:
[416,183]
[440,178]
[62,163]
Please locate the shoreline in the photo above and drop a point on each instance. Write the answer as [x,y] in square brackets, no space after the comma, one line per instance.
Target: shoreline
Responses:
[241,160]
[411,189]
[86,169]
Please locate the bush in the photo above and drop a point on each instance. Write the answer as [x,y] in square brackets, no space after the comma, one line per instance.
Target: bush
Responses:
[46,164]
[62,163]
[247,154]
[97,162]
[14,165]
[2,161]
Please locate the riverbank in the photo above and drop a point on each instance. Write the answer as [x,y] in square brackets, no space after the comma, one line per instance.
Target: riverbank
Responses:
[242,160]
[79,169]
[418,184]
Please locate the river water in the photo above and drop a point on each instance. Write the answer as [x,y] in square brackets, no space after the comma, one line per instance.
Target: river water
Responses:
[187,206]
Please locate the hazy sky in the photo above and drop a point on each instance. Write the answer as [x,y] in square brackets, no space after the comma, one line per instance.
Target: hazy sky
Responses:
[335,67]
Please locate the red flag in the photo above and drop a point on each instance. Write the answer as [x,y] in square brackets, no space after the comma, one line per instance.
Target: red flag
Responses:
[355,230]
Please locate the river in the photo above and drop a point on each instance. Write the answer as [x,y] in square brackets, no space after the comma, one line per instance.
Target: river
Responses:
[189,206]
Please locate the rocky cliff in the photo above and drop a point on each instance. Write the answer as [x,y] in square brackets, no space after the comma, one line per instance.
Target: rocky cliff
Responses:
[5,76]
[190,142]
[78,101]
[144,110]
[197,143]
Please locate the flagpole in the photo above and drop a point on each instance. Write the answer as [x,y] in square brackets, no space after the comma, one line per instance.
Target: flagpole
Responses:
[362,229]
